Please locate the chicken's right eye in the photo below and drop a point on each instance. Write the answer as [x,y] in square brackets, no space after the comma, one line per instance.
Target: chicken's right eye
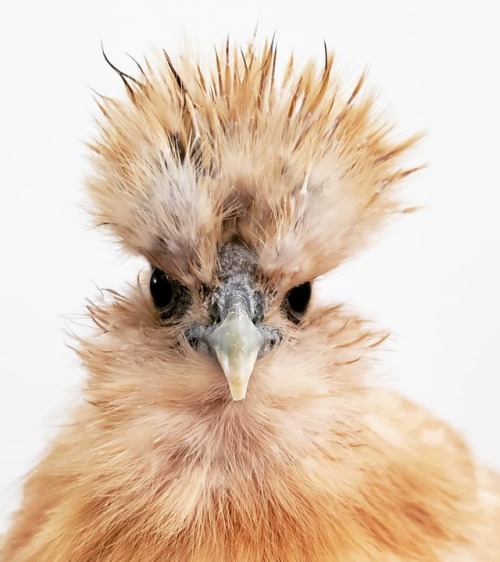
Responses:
[162,289]
[297,301]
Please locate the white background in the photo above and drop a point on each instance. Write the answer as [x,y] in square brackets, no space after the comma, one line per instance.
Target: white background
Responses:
[433,278]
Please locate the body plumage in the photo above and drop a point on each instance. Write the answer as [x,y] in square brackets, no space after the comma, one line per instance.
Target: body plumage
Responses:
[240,185]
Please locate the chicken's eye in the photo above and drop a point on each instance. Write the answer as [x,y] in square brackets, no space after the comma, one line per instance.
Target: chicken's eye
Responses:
[162,289]
[297,300]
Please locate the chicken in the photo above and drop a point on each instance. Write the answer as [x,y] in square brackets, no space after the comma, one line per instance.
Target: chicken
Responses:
[227,415]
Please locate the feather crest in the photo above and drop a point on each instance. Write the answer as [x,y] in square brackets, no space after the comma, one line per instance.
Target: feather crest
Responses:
[191,142]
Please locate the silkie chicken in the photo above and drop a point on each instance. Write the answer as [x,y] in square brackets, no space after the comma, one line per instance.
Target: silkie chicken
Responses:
[227,415]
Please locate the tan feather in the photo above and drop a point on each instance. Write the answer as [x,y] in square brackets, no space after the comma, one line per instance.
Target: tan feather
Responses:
[157,463]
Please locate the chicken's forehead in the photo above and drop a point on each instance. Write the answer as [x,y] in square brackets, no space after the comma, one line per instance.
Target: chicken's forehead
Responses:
[237,275]
[236,260]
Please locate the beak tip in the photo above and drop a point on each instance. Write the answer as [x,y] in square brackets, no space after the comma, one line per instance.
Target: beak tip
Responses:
[236,343]
[238,390]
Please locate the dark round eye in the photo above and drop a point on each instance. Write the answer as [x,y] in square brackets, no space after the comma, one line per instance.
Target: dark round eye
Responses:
[162,289]
[298,299]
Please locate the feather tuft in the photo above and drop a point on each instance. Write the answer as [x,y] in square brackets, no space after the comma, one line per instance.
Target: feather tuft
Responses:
[193,139]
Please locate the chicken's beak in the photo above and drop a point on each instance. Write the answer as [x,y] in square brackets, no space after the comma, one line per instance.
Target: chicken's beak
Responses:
[237,342]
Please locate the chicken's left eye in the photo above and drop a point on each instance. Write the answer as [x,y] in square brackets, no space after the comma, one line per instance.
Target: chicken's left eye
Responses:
[297,301]
[162,289]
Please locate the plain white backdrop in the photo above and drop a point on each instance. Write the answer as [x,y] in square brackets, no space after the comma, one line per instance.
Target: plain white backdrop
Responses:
[433,278]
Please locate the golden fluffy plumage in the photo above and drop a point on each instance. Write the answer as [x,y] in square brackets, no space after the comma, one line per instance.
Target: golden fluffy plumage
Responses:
[315,464]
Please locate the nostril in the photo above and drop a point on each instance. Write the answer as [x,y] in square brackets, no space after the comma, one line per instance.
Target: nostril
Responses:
[195,335]
[272,338]
[203,347]
[199,344]
[198,337]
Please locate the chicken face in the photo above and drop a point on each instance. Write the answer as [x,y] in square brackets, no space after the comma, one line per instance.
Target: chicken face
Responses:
[228,416]
[239,192]
[237,334]
[238,331]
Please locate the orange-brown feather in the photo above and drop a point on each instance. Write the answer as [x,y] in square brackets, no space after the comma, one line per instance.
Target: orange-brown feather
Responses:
[316,464]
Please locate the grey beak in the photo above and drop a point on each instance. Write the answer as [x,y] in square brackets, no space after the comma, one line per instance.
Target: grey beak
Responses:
[236,343]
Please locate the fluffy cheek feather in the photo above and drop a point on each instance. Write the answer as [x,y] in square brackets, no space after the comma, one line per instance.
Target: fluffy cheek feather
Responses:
[303,388]
[160,464]
[287,475]
[308,467]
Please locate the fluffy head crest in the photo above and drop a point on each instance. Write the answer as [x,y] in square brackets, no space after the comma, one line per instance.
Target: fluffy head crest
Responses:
[283,162]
